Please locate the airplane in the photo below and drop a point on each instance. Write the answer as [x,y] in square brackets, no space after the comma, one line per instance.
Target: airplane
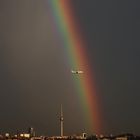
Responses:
[77,71]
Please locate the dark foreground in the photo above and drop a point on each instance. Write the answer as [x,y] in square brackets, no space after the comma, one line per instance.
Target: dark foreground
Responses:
[24,136]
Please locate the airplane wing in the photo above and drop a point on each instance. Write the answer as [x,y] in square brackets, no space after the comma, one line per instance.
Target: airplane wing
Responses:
[76,72]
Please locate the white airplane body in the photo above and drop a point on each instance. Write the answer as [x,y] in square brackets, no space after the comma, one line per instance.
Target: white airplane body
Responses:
[77,71]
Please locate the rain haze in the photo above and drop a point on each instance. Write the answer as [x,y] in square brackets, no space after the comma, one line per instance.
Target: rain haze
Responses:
[35,77]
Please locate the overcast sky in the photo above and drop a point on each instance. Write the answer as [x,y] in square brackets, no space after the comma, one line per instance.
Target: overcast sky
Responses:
[34,77]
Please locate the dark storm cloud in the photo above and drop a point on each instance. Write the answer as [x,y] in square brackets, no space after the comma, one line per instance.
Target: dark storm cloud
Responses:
[112,32]
[34,76]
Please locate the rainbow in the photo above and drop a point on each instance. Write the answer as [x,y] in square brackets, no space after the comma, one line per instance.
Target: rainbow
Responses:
[64,22]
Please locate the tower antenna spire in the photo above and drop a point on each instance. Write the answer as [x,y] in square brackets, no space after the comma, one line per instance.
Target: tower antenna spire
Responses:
[61,122]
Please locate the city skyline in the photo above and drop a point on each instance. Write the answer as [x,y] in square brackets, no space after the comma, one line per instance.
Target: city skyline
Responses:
[35,74]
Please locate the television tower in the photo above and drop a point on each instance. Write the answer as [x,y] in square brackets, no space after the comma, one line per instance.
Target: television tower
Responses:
[61,122]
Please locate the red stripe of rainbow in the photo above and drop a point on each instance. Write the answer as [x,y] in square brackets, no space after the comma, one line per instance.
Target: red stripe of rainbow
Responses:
[75,46]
